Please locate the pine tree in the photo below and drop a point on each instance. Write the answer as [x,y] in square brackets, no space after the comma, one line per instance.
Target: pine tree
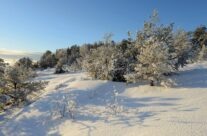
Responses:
[152,45]
[123,60]
[25,62]
[199,41]
[47,60]
[18,82]
[181,49]
[153,62]
[2,71]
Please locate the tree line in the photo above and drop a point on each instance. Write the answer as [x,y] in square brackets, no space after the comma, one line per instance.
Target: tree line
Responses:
[153,55]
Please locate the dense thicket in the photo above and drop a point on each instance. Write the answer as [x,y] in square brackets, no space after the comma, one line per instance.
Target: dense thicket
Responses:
[153,55]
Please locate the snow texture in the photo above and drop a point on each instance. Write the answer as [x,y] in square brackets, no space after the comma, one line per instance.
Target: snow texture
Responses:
[145,110]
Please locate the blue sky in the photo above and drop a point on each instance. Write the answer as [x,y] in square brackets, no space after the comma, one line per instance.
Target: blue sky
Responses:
[38,25]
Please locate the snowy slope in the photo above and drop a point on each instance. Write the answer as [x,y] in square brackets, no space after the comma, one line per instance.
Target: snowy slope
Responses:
[147,111]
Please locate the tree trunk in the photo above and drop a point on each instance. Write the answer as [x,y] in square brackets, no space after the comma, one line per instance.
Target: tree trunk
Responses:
[15,85]
[151,83]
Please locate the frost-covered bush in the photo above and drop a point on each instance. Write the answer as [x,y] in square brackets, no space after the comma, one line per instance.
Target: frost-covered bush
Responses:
[153,62]
[111,61]
[2,84]
[16,82]
[199,40]
[113,106]
[73,53]
[19,83]
[98,63]
[2,71]
[65,107]
[25,62]
[123,60]
[153,58]
[181,48]
[59,67]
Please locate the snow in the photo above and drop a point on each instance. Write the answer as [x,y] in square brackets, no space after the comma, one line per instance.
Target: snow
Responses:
[147,111]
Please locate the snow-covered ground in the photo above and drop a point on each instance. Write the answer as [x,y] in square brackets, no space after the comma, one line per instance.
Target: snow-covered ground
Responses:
[144,110]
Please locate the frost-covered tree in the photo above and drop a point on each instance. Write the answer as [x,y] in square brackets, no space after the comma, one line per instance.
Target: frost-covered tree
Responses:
[25,62]
[61,53]
[181,49]
[2,71]
[2,67]
[73,57]
[118,66]
[98,62]
[47,60]
[19,83]
[61,56]
[123,60]
[2,84]
[109,60]
[153,62]
[72,54]
[199,41]
[59,66]
[153,56]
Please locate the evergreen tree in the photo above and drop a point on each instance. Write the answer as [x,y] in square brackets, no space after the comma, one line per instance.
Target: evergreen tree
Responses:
[61,57]
[18,83]
[199,41]
[181,49]
[153,44]
[25,62]
[2,71]
[47,60]
[123,60]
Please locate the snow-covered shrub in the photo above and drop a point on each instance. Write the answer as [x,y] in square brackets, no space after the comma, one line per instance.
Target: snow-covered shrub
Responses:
[199,40]
[72,106]
[25,62]
[111,61]
[65,107]
[181,49]
[73,53]
[123,60]
[153,62]
[57,87]
[114,107]
[98,63]
[59,67]
[2,84]
[16,82]
[2,71]
[118,67]
[61,57]
[19,83]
